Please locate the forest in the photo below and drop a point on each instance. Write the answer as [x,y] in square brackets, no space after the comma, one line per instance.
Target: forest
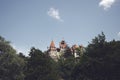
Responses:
[100,61]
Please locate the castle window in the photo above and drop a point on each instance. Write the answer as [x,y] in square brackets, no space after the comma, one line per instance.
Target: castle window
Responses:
[63,42]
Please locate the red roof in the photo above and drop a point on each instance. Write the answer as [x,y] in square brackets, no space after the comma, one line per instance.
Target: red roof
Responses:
[52,44]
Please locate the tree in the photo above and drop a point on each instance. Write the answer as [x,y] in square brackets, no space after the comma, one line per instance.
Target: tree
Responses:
[5,46]
[11,66]
[67,53]
[66,67]
[40,66]
[66,64]
[100,62]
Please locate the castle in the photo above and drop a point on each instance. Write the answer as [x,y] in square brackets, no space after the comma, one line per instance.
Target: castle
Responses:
[55,53]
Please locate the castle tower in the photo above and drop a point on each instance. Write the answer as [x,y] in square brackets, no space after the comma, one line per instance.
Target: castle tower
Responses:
[53,51]
[63,44]
[52,46]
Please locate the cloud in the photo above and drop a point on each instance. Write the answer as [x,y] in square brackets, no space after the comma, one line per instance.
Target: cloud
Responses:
[118,34]
[106,4]
[54,13]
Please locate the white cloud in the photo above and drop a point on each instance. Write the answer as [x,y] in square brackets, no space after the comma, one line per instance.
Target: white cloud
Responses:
[54,13]
[118,34]
[106,4]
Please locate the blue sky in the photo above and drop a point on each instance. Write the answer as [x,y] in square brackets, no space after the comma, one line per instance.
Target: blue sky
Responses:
[28,23]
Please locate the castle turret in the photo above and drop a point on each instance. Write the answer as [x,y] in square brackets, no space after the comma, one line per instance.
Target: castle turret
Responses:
[63,44]
[53,51]
[52,46]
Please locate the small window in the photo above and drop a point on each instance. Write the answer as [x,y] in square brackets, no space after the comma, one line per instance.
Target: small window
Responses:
[63,42]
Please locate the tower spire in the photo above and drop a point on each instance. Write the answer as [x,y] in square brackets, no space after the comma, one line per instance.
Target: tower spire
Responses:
[52,46]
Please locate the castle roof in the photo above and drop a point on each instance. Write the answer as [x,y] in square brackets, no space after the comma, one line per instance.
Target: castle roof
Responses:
[63,44]
[52,44]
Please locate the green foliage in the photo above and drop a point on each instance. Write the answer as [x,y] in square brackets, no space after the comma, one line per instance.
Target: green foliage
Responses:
[11,66]
[80,51]
[21,55]
[40,66]
[67,53]
[100,62]
[5,46]
[66,67]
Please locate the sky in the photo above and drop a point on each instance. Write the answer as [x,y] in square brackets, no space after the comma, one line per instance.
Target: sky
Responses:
[28,23]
